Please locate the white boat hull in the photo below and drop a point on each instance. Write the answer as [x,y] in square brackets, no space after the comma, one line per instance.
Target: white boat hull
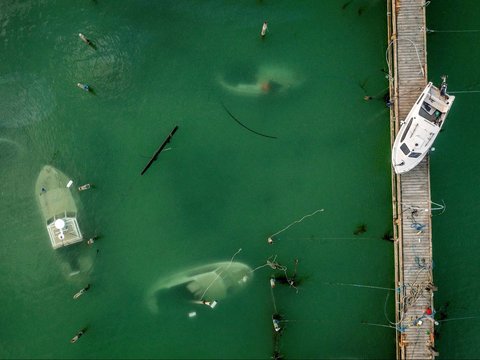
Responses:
[420,128]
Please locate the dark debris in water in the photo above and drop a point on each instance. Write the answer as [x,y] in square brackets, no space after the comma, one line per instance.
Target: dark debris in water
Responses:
[362,228]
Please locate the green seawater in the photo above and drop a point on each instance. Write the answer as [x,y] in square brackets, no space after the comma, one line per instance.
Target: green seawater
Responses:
[220,187]
[455,171]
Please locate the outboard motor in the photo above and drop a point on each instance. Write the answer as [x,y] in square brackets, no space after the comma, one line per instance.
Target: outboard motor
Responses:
[443,88]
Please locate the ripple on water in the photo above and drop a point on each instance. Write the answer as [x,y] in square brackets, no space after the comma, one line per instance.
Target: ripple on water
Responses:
[109,66]
[9,151]
[24,99]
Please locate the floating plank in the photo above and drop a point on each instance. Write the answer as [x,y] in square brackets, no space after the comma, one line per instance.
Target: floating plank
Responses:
[155,156]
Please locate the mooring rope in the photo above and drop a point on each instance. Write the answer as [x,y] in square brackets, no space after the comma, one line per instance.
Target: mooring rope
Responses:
[464,92]
[296,222]
[273,300]
[220,273]
[451,31]
[416,51]
[246,127]
[360,285]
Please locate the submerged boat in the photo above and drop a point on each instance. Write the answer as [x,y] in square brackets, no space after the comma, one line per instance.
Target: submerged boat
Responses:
[58,207]
[210,281]
[421,126]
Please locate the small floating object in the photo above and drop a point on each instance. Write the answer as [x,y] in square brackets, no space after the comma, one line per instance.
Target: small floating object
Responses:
[192,314]
[272,282]
[84,39]
[70,182]
[84,187]
[84,87]
[276,323]
[78,336]
[210,304]
[81,292]
[264,29]
[270,240]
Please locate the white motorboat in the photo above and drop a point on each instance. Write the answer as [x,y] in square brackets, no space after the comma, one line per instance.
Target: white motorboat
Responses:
[421,126]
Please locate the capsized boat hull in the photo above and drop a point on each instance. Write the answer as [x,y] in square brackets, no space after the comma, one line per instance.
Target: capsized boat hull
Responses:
[420,128]
[267,80]
[213,281]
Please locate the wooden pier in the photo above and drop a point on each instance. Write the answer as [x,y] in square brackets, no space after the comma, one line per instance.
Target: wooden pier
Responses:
[410,191]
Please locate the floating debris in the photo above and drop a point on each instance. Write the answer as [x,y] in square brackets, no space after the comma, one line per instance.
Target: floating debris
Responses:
[361,229]
[155,156]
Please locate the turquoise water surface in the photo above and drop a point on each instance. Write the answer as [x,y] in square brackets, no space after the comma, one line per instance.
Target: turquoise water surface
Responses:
[219,188]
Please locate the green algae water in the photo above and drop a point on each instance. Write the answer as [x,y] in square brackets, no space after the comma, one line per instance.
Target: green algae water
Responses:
[218,188]
[454,174]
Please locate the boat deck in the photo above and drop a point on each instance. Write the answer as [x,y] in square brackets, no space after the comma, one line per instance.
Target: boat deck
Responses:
[71,232]
[56,202]
[410,191]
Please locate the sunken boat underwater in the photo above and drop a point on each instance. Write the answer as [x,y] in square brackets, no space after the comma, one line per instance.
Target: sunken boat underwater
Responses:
[214,281]
[421,126]
[58,207]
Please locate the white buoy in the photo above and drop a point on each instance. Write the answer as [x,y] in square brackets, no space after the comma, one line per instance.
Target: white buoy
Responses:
[264,29]
[69,183]
[192,314]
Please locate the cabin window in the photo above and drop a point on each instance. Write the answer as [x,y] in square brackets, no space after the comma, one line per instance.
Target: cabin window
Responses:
[414,154]
[405,149]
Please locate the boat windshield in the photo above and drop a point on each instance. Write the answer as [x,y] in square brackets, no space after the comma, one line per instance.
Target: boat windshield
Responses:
[405,148]
[414,154]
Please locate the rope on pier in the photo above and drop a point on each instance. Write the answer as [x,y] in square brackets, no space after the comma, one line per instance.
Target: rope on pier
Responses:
[388,62]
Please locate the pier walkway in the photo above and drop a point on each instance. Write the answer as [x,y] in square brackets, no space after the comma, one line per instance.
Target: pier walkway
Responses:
[410,191]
